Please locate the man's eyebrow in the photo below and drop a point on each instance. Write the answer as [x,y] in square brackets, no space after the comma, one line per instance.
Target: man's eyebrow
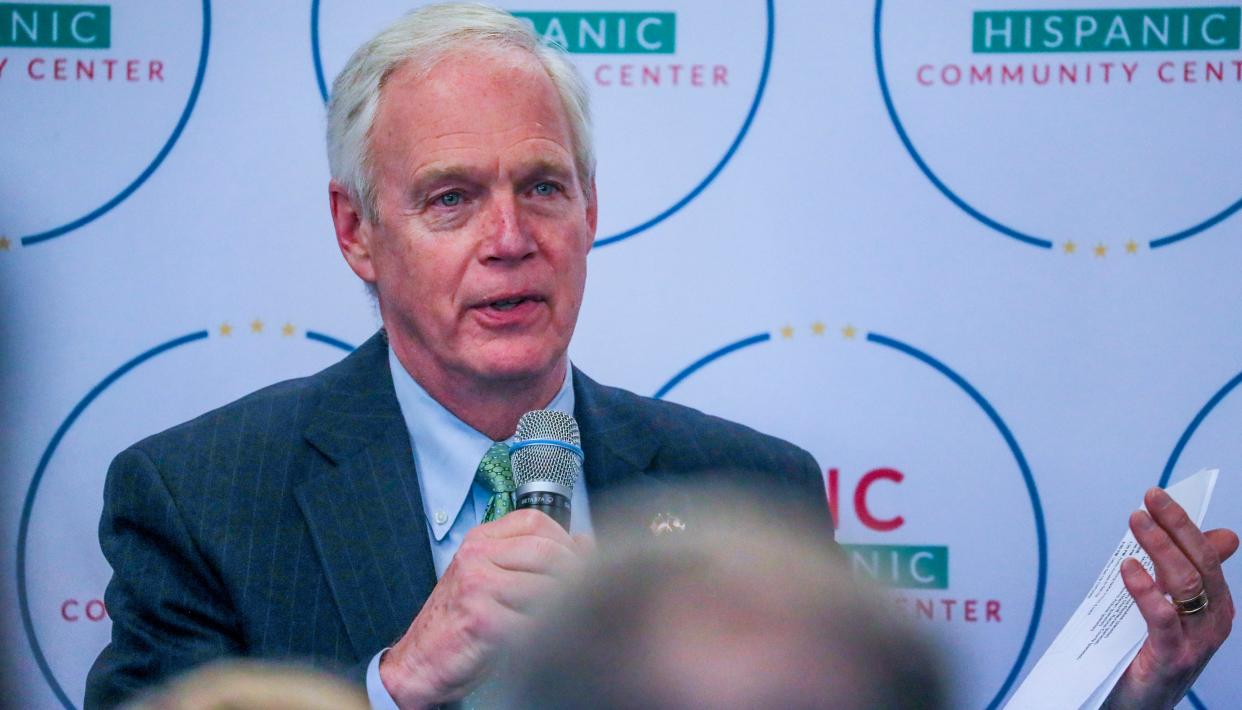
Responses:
[546,166]
[442,173]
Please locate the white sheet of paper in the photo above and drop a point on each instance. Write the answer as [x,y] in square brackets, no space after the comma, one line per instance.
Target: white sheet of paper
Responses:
[1092,651]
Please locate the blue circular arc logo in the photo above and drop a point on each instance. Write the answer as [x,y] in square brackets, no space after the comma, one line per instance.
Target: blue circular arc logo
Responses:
[966,207]
[45,459]
[159,157]
[1179,447]
[1001,427]
[676,207]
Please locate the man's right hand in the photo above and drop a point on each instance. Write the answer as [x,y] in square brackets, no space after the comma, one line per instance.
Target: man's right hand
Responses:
[483,600]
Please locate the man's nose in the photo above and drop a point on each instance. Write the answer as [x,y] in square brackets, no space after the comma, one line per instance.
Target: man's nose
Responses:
[508,237]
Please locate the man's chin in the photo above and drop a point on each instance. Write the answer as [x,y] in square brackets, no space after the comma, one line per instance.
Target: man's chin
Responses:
[512,368]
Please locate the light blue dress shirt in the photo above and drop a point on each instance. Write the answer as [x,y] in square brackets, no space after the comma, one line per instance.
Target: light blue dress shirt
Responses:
[446,453]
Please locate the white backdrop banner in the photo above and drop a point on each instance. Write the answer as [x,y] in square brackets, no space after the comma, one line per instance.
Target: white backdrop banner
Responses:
[980,259]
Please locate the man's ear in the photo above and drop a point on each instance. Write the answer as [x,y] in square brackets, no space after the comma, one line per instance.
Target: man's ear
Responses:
[354,234]
[592,210]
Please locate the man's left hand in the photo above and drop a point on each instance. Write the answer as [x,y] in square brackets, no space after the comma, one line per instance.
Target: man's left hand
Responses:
[1178,645]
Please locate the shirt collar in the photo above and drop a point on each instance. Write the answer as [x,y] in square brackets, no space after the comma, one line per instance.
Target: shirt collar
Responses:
[447,450]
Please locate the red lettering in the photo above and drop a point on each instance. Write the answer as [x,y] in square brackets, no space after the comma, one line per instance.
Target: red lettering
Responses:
[951,70]
[1068,73]
[1108,67]
[155,70]
[86,69]
[651,75]
[30,69]
[1130,69]
[3,62]
[970,609]
[599,74]
[948,608]
[980,77]
[627,75]
[95,610]
[1160,72]
[696,75]
[676,69]
[1188,73]
[60,69]
[834,483]
[1237,65]
[921,75]
[110,63]
[64,610]
[860,499]
[1012,75]
[1217,68]
[923,607]
[131,70]
[720,75]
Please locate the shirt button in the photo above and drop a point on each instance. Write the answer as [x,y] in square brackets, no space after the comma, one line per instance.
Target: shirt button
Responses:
[441,517]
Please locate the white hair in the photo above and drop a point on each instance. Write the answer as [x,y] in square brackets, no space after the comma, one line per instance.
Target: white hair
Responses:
[422,38]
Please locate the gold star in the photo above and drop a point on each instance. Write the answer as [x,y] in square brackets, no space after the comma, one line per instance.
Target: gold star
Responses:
[787,332]
[287,330]
[817,328]
[226,329]
[5,244]
[256,326]
[1131,247]
[1070,247]
[1100,249]
[849,332]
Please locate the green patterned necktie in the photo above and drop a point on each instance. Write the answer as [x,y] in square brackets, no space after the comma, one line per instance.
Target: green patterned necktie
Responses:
[496,477]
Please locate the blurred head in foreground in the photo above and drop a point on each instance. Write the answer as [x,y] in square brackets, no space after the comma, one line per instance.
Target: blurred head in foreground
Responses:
[732,614]
[252,685]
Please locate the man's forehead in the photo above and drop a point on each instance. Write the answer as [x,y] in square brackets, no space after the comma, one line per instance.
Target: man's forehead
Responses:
[474,101]
[470,77]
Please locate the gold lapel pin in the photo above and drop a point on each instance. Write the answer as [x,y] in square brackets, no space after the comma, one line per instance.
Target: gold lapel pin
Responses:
[666,523]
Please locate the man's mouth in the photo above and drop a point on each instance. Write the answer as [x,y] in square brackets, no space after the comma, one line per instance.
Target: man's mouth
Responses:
[509,303]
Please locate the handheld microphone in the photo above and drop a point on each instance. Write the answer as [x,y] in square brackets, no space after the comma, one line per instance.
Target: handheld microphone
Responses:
[546,459]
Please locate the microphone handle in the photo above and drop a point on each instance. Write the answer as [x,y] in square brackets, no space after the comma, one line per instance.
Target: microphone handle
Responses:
[554,505]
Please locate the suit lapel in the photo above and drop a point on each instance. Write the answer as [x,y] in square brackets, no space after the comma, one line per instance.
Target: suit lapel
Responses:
[364,508]
[619,446]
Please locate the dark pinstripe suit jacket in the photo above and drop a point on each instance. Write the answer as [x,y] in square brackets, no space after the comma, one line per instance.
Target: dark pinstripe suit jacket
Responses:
[289,524]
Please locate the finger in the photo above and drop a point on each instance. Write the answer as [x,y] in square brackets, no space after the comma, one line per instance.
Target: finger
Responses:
[521,592]
[1225,541]
[1164,629]
[1186,535]
[584,544]
[1175,573]
[534,554]
[524,522]
[476,586]
[1226,544]
[498,619]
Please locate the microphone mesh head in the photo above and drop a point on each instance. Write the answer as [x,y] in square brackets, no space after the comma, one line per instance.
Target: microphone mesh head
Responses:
[540,462]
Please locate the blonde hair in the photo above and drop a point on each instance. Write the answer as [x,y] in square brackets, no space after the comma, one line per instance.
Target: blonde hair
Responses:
[253,685]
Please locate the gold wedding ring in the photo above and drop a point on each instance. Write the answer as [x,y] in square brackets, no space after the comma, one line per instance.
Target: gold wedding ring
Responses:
[1193,605]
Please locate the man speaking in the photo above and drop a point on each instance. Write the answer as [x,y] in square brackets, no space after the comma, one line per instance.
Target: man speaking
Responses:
[352,518]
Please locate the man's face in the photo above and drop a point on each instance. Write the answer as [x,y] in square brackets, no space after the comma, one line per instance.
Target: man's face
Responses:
[478,249]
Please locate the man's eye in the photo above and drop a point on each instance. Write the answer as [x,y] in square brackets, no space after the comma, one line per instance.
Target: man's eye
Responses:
[545,189]
[449,199]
